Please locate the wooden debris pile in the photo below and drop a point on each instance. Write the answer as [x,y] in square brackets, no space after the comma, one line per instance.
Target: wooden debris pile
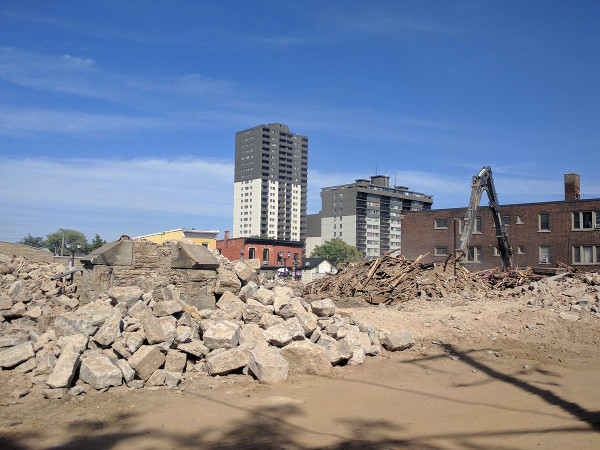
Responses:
[393,279]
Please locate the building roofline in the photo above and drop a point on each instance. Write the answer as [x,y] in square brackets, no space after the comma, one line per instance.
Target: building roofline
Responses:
[508,204]
[216,232]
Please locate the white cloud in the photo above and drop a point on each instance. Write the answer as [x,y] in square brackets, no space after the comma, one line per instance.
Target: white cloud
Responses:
[137,195]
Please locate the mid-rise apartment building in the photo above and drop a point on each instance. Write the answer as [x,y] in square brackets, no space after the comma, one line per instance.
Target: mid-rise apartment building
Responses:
[271,173]
[365,214]
[541,234]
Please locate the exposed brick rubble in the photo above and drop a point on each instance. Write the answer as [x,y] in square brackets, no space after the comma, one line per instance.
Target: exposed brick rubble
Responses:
[143,314]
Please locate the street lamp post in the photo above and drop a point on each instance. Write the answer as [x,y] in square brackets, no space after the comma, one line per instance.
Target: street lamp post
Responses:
[285,265]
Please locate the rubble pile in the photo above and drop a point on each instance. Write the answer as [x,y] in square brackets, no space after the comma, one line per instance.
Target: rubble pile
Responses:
[120,324]
[395,279]
[392,279]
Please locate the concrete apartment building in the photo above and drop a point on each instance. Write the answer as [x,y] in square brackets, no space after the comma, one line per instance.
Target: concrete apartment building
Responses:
[365,214]
[271,173]
[540,234]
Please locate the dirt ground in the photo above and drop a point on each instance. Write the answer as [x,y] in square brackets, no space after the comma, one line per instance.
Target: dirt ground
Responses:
[492,374]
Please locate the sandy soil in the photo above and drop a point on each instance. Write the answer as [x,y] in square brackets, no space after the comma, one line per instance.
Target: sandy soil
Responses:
[485,374]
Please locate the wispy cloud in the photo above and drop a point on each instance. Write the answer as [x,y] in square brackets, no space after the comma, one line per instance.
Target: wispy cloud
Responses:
[146,194]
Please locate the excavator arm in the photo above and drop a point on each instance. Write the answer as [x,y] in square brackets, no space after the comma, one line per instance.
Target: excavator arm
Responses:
[483,181]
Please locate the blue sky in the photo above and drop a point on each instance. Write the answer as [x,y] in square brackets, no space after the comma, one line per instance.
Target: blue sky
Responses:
[120,116]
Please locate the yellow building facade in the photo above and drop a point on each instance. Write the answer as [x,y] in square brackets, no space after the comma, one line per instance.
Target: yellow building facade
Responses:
[206,238]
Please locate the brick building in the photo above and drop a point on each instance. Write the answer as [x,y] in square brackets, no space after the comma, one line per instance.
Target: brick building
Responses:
[274,254]
[540,234]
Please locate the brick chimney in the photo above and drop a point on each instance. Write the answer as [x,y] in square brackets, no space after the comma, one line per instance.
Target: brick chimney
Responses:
[227,232]
[572,186]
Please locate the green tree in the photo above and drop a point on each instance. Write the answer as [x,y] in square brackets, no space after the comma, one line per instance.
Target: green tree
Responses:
[96,243]
[336,251]
[37,242]
[54,241]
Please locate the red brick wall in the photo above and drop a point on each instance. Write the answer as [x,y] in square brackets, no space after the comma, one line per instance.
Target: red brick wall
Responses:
[419,235]
[230,248]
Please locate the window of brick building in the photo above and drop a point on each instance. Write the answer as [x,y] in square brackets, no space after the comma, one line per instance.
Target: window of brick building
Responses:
[544,254]
[474,254]
[586,220]
[544,222]
[520,220]
[476,226]
[441,251]
[265,256]
[586,254]
[520,249]
[441,223]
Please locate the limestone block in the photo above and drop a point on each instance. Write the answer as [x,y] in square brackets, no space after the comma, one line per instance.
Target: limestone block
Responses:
[172,379]
[294,308]
[5,303]
[110,329]
[54,394]
[118,253]
[227,281]
[152,328]
[99,372]
[126,370]
[222,334]
[306,357]
[264,296]
[17,291]
[10,340]
[231,305]
[120,347]
[323,308]
[64,369]
[67,302]
[192,256]
[157,378]
[398,341]
[220,363]
[125,295]
[184,334]
[284,333]
[167,308]
[16,355]
[195,348]
[26,366]
[245,272]
[133,340]
[78,341]
[268,320]
[34,312]
[175,361]
[248,291]
[169,326]
[252,335]
[267,364]
[146,361]
[200,301]
[67,325]
[253,311]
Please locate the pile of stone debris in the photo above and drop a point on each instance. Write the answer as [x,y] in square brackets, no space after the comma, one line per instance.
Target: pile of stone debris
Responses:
[133,314]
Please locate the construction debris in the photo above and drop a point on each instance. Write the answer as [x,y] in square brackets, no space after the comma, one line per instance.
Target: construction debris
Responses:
[134,315]
[393,279]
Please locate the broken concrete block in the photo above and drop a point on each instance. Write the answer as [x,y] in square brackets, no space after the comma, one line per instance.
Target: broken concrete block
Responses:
[264,296]
[99,372]
[244,272]
[16,355]
[125,295]
[118,253]
[248,291]
[253,311]
[220,363]
[175,361]
[306,357]
[192,256]
[126,370]
[398,341]
[67,325]
[167,308]
[222,334]
[251,335]
[323,308]
[195,348]
[267,364]
[146,361]
[78,341]
[227,281]
[282,334]
[151,325]
[110,329]
[65,367]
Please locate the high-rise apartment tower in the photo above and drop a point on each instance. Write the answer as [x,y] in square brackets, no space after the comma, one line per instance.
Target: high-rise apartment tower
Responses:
[269,192]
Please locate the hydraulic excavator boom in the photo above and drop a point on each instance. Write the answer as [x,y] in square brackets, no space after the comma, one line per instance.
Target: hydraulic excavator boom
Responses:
[483,182]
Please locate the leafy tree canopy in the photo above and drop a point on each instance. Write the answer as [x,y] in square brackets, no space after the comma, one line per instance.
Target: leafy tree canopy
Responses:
[37,242]
[337,251]
[54,241]
[96,243]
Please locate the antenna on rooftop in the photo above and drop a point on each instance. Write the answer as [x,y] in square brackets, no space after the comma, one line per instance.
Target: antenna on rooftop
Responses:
[375,168]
